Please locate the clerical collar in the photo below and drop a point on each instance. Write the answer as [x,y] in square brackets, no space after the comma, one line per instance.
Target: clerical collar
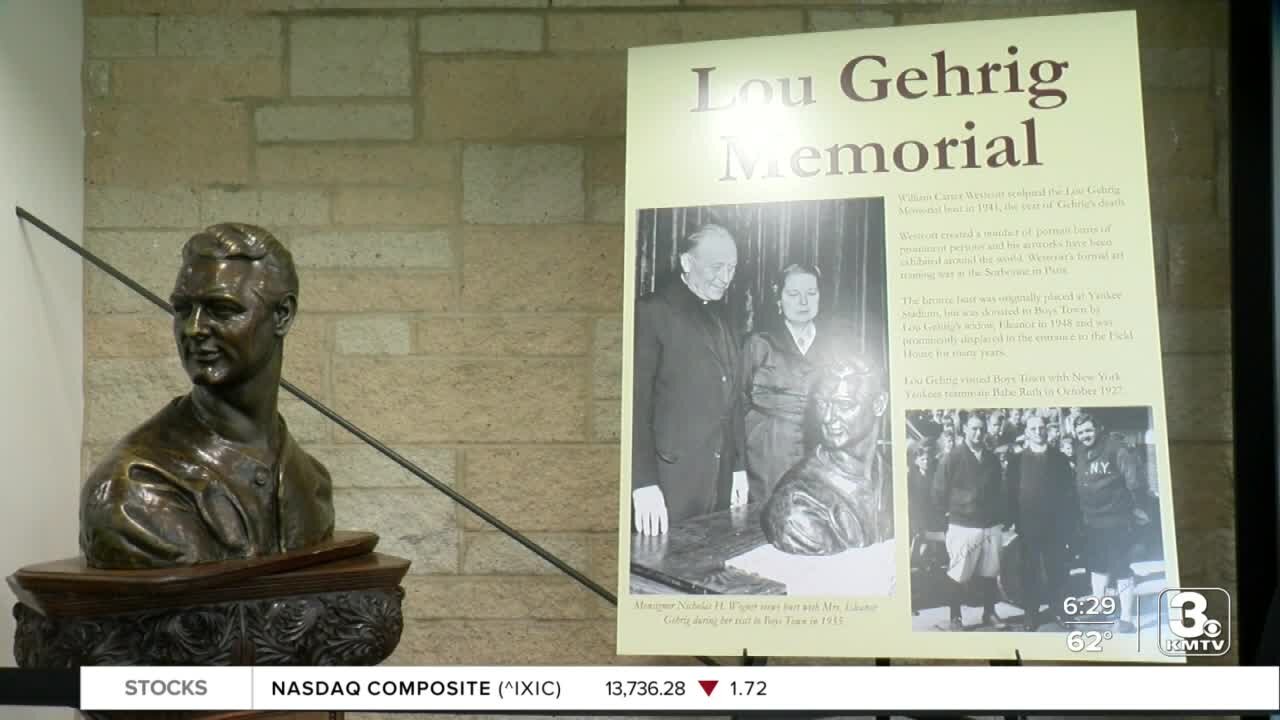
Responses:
[684,278]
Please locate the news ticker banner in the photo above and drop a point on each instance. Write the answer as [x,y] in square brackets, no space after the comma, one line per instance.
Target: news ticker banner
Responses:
[715,690]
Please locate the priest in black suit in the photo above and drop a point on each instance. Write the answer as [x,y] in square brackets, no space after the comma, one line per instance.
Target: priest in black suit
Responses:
[687,443]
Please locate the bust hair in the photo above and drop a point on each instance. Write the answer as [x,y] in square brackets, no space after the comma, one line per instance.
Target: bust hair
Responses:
[240,241]
[852,366]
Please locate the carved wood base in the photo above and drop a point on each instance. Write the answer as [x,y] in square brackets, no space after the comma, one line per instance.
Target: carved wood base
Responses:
[335,604]
[358,627]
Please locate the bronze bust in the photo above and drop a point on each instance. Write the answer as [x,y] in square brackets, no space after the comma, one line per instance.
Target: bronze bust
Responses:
[839,496]
[214,475]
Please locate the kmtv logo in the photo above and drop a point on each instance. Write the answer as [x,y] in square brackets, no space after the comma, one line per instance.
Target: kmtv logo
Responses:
[1188,626]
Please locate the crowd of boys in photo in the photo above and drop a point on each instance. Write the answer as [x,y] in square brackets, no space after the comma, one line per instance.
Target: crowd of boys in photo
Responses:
[1065,484]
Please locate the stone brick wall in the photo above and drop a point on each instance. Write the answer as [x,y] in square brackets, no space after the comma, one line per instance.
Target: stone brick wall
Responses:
[449,175]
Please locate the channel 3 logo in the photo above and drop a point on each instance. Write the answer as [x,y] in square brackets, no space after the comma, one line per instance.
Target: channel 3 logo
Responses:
[1189,626]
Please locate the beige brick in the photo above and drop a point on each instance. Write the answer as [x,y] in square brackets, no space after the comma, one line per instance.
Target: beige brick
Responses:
[501,335]
[506,98]
[170,143]
[112,37]
[497,598]
[612,3]
[376,290]
[1179,132]
[608,31]
[606,178]
[606,357]
[522,184]
[108,206]
[607,162]
[828,20]
[309,334]
[507,268]
[97,78]
[1182,24]
[577,487]
[412,4]
[395,206]
[269,208]
[150,258]
[120,394]
[303,123]
[182,7]
[356,249]
[1203,477]
[972,12]
[360,466]
[256,7]
[1221,73]
[1199,265]
[1182,199]
[607,205]
[1195,330]
[195,80]
[1222,180]
[1198,397]
[353,165]
[493,553]
[604,560]
[372,335]
[440,399]
[1176,68]
[148,335]
[476,33]
[1160,253]
[230,38]
[752,3]
[417,524]
[606,424]
[1207,558]
[306,425]
[350,56]
[308,373]
[506,642]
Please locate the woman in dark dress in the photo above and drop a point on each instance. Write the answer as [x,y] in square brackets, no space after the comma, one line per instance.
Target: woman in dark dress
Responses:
[779,366]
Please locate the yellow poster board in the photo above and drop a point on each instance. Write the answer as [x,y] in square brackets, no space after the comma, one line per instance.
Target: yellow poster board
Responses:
[891,351]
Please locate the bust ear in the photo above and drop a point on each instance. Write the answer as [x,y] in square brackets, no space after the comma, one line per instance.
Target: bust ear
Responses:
[283,315]
[881,404]
[685,263]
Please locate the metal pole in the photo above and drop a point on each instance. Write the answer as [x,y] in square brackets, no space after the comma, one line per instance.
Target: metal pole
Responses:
[348,426]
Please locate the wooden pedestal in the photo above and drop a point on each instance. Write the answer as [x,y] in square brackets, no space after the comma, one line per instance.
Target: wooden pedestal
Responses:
[333,604]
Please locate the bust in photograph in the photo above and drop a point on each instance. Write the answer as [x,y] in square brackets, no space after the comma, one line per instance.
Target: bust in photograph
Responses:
[837,497]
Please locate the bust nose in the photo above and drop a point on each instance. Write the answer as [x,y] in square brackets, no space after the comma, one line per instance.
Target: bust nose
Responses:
[194,324]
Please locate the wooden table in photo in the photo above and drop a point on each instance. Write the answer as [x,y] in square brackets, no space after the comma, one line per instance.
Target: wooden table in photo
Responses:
[690,558]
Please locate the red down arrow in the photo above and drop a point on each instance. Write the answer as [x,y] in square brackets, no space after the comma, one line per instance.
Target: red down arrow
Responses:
[708,686]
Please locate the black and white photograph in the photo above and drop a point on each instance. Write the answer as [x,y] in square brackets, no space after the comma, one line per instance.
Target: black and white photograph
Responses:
[1034,519]
[760,460]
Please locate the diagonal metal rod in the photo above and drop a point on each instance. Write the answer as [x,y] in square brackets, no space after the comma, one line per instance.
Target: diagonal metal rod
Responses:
[373,442]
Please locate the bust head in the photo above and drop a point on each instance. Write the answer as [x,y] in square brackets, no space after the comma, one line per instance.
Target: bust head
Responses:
[849,399]
[258,493]
[234,300]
